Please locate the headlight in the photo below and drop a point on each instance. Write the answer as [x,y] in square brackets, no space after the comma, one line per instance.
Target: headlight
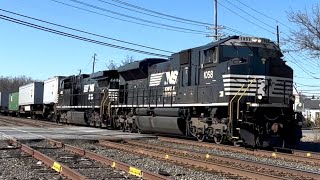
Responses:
[259,96]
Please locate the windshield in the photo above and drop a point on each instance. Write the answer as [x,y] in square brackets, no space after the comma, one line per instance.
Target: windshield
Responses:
[230,52]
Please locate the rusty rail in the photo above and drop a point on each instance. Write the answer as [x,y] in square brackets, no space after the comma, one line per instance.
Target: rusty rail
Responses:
[304,156]
[61,168]
[107,161]
[25,121]
[237,171]
[205,156]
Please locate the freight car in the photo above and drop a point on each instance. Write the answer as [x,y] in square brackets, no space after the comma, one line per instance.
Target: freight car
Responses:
[4,102]
[50,96]
[31,100]
[13,104]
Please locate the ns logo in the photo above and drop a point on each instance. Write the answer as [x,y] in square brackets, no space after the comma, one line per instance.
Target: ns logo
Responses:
[171,78]
[168,78]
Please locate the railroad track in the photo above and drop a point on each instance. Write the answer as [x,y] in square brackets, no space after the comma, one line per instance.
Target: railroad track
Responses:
[241,167]
[154,164]
[306,157]
[77,163]
[6,120]
[15,164]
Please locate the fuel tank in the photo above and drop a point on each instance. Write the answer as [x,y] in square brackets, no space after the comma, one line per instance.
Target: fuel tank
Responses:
[161,124]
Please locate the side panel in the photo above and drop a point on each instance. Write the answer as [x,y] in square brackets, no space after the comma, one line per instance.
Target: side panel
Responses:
[4,100]
[14,101]
[50,90]
[31,94]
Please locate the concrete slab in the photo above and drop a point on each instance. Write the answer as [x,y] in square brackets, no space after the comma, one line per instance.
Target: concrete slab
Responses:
[67,133]
[310,135]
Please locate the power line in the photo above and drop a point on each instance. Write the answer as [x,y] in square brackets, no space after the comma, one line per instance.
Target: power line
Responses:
[245,18]
[82,31]
[264,14]
[135,18]
[125,20]
[306,85]
[152,15]
[25,23]
[174,18]
[303,77]
[162,14]
[303,69]
[249,14]
[300,55]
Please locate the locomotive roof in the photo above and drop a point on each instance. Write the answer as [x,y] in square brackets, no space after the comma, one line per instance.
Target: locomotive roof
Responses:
[240,38]
[213,44]
[140,64]
[105,74]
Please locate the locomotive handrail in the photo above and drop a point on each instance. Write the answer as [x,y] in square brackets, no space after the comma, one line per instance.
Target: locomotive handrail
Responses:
[103,103]
[230,108]
[245,91]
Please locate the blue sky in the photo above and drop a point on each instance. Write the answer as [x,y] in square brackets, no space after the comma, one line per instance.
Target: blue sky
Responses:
[30,52]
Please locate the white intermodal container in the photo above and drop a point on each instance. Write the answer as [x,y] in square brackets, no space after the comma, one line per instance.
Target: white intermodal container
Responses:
[51,90]
[31,94]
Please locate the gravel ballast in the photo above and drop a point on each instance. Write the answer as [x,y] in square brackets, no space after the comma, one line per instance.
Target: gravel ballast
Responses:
[150,164]
[17,165]
[272,161]
[87,167]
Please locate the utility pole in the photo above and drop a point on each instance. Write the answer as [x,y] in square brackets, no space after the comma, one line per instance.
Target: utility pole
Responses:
[215,27]
[216,18]
[94,62]
[278,38]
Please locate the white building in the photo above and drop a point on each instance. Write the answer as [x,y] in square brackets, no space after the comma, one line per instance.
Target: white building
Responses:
[310,108]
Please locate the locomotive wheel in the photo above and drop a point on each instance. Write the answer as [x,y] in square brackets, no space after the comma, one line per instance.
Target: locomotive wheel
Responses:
[201,137]
[139,131]
[218,139]
[130,128]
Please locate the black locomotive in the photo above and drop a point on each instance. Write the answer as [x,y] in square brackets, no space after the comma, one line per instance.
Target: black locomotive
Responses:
[237,89]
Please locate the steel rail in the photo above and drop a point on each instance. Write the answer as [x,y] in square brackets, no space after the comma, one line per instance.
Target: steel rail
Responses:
[106,160]
[241,162]
[304,156]
[237,171]
[61,168]
[25,121]
[11,122]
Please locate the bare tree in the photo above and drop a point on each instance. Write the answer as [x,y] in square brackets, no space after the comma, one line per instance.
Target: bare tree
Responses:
[128,60]
[307,37]
[12,84]
[111,65]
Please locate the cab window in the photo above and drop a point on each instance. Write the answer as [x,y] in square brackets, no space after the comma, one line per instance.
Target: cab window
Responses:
[210,55]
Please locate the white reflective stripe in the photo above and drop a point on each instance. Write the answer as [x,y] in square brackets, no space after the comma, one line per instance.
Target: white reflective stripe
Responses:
[268,105]
[77,106]
[235,93]
[239,84]
[239,80]
[174,105]
[255,76]
[242,90]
